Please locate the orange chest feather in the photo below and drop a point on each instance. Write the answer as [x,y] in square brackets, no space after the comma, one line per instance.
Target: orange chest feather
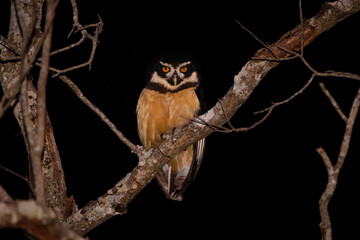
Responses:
[159,113]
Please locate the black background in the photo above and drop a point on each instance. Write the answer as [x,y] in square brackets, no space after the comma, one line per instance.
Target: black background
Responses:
[264,183]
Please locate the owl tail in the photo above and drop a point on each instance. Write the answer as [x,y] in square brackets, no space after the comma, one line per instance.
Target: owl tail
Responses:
[173,183]
[175,177]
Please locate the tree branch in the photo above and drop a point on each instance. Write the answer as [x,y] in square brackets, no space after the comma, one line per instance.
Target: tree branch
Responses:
[80,95]
[115,200]
[333,171]
[12,77]
[333,102]
[33,218]
[84,35]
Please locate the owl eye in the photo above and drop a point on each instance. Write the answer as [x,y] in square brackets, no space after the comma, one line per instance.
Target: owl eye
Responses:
[165,69]
[183,69]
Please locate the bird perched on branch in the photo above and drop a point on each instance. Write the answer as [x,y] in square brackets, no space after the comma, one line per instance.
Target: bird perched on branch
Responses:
[168,101]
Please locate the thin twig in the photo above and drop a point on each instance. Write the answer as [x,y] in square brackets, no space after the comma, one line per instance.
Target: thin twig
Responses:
[276,104]
[223,129]
[302,29]
[333,102]
[84,35]
[19,176]
[329,166]
[257,39]
[226,117]
[329,73]
[80,95]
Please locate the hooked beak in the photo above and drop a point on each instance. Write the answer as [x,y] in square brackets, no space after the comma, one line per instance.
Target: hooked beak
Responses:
[174,80]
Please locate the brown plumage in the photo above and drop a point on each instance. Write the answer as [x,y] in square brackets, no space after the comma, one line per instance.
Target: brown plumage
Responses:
[167,102]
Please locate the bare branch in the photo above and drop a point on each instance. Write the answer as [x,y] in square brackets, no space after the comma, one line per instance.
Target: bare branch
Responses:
[19,176]
[35,133]
[80,95]
[54,182]
[31,141]
[290,98]
[84,35]
[333,102]
[222,129]
[257,39]
[333,171]
[348,132]
[329,166]
[302,29]
[42,81]
[36,220]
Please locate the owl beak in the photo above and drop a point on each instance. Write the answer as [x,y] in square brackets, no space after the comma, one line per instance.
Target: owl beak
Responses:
[174,80]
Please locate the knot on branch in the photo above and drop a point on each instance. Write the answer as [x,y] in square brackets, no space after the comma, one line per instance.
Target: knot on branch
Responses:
[121,209]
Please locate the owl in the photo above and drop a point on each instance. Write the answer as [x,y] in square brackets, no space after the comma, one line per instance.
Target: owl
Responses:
[168,101]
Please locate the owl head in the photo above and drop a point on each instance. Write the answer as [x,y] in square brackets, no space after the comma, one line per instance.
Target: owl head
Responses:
[172,72]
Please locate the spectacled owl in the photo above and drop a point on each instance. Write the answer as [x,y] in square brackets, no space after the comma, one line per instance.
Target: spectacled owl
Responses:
[168,101]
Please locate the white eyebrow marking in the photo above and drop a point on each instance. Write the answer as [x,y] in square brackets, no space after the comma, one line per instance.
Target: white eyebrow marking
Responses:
[166,64]
[183,64]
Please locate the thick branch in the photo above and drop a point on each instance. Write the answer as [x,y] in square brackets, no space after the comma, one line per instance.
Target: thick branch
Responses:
[38,221]
[10,78]
[330,14]
[114,202]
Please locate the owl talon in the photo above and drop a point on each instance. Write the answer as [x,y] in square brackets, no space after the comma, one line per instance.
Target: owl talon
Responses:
[166,136]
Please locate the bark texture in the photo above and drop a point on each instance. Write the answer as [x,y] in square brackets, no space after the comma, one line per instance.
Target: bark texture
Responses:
[10,79]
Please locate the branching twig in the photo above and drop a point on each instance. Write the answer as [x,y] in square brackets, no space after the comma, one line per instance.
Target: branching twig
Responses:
[333,171]
[222,129]
[276,104]
[84,35]
[257,39]
[315,73]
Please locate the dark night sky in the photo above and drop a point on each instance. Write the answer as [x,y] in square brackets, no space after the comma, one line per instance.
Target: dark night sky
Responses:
[264,183]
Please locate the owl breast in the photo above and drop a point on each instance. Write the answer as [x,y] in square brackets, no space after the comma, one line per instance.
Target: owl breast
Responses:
[159,113]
